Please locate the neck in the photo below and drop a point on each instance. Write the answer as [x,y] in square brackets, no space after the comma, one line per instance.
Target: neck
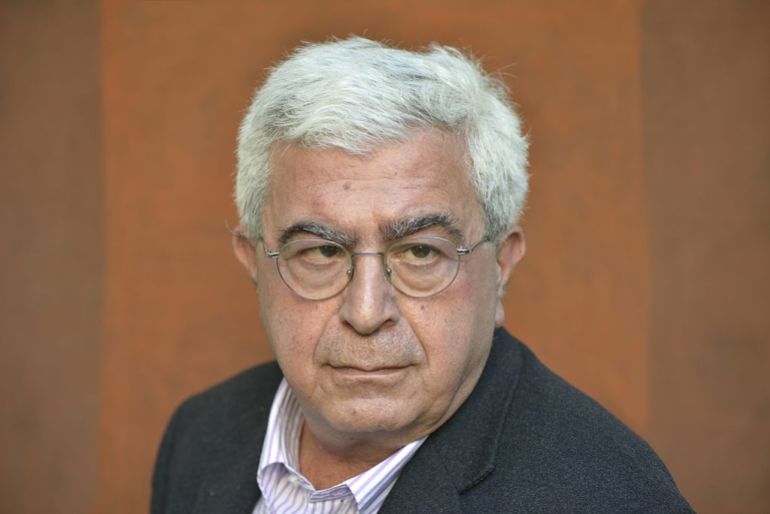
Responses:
[326,464]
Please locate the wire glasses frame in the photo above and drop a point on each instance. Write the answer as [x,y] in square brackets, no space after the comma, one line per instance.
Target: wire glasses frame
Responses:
[418,267]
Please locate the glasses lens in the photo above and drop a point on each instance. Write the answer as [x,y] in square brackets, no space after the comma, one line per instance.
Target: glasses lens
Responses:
[314,268]
[317,269]
[422,266]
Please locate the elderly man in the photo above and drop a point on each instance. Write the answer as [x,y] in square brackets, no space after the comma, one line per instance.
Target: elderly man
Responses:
[379,192]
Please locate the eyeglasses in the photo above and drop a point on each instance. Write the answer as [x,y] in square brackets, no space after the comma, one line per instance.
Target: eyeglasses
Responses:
[317,269]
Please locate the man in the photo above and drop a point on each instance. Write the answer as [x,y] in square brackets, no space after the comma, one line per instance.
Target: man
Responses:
[379,192]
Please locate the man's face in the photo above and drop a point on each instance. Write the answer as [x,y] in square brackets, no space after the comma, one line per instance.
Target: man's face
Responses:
[372,363]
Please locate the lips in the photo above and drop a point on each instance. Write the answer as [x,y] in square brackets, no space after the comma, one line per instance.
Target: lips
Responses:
[354,376]
[366,368]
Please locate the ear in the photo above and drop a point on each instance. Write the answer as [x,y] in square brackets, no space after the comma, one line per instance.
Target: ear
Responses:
[245,251]
[510,251]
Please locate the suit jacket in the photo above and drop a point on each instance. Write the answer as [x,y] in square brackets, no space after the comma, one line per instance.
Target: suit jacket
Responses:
[523,441]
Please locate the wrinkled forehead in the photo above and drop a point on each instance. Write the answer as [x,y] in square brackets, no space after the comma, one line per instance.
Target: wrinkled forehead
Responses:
[422,154]
[424,178]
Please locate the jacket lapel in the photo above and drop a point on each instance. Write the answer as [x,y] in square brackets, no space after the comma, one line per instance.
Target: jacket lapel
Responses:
[231,485]
[423,486]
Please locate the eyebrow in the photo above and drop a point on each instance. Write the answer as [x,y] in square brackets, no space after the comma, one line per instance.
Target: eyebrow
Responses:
[413,224]
[322,231]
[393,231]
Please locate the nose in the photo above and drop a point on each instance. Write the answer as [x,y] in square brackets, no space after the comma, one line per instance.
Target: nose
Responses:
[369,302]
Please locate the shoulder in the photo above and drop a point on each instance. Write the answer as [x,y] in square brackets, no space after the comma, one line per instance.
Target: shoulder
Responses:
[222,415]
[572,453]
[249,390]
[211,430]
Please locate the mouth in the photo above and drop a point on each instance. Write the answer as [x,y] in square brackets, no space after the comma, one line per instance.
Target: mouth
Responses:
[374,374]
[366,370]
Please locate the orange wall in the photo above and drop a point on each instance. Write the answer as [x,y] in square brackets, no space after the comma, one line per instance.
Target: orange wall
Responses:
[51,259]
[647,223]
[707,159]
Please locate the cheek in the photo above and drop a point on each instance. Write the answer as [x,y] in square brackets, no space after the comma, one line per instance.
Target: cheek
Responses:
[472,298]
[446,330]
[293,327]
[454,326]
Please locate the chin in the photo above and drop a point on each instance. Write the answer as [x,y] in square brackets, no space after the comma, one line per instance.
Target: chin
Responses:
[369,416]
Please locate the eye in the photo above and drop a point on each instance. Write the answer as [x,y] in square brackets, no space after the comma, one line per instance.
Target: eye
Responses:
[419,252]
[321,252]
[312,252]
[329,251]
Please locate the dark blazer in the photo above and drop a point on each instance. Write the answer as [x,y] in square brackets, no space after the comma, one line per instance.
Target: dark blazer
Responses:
[523,441]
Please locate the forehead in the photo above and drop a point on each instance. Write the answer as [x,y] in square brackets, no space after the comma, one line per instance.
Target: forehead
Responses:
[427,175]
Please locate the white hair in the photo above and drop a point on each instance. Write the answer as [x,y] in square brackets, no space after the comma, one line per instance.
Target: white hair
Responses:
[357,95]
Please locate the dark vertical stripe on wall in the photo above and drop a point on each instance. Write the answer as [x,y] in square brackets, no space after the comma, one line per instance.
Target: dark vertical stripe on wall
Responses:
[50,255]
[707,136]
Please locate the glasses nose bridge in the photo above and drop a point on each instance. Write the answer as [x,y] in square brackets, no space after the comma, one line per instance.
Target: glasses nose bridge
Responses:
[385,268]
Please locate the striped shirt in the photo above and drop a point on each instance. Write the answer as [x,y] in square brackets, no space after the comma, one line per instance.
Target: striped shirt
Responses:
[285,490]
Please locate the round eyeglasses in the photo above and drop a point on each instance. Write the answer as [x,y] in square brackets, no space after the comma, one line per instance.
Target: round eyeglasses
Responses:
[317,269]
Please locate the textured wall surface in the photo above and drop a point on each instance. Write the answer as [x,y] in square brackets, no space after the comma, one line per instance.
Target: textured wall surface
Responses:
[707,154]
[644,284]
[51,259]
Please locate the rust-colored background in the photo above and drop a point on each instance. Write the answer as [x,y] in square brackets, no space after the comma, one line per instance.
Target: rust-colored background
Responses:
[648,227]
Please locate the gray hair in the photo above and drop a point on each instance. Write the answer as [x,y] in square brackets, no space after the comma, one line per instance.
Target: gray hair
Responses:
[357,95]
